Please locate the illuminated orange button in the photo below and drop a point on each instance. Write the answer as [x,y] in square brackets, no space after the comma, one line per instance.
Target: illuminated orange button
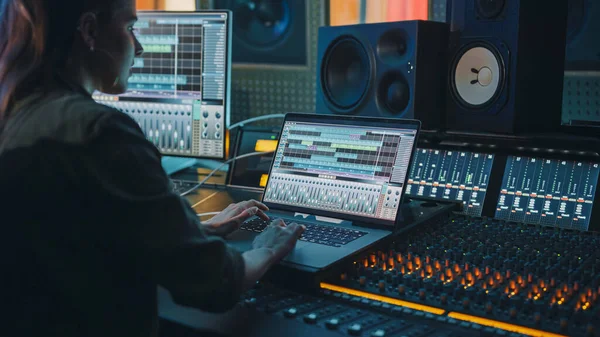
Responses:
[428,270]
[418,261]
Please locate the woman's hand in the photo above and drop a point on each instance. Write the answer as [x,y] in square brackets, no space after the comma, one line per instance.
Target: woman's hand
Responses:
[233,216]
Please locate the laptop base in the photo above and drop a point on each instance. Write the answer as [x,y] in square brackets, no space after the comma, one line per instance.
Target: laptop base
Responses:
[416,213]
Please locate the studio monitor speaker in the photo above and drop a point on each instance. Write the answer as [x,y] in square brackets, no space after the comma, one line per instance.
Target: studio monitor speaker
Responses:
[506,65]
[581,94]
[393,69]
[274,47]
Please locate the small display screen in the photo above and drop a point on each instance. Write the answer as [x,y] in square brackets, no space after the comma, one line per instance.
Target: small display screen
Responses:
[548,192]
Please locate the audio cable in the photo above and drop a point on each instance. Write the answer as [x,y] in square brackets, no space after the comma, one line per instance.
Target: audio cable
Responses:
[251,154]
[255,119]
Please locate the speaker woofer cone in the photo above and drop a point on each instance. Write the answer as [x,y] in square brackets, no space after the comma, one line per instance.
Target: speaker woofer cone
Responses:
[393,93]
[345,73]
[261,24]
[477,76]
[490,9]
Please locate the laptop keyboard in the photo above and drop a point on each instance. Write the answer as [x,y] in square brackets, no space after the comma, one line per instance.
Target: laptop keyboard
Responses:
[182,186]
[315,233]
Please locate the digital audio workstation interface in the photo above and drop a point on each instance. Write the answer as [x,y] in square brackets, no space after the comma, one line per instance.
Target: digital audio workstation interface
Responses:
[548,192]
[451,175]
[178,87]
[358,171]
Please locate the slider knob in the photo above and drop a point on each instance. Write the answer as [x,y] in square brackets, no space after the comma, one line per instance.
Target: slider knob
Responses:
[444,298]
[401,290]
[589,330]
[466,303]
[250,302]
[355,329]
[489,307]
[332,324]
[381,285]
[290,313]
[362,281]
[378,333]
[310,318]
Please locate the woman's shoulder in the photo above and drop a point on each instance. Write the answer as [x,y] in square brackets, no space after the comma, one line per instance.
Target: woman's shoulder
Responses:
[63,116]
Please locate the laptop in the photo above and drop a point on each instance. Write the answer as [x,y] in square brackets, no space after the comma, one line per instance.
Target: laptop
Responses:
[343,177]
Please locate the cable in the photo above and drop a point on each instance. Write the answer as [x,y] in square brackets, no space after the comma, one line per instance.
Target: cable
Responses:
[255,119]
[251,154]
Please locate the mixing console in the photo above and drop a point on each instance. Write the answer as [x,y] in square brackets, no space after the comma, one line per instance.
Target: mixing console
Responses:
[451,175]
[523,278]
[336,313]
[548,192]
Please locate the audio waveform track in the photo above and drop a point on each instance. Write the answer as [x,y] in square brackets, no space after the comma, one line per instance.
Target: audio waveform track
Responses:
[351,153]
[451,175]
[548,192]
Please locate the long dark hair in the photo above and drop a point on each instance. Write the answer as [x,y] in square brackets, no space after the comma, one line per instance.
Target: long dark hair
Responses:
[36,37]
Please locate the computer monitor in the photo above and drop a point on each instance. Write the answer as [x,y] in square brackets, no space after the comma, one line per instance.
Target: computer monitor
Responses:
[179,90]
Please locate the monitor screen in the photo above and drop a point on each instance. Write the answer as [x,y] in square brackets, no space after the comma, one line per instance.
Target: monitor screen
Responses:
[179,88]
[352,170]
[451,175]
[548,192]
[253,171]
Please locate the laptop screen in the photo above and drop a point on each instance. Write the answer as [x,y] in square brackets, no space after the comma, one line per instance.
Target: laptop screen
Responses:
[347,171]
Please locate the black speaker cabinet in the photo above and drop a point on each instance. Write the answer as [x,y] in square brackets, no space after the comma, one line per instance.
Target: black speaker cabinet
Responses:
[393,69]
[437,10]
[581,94]
[274,48]
[506,65]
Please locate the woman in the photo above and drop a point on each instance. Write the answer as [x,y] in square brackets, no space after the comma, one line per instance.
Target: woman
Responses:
[90,225]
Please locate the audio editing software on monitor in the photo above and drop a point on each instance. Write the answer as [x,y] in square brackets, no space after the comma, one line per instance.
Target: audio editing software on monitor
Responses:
[178,90]
[358,171]
[548,192]
[451,175]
